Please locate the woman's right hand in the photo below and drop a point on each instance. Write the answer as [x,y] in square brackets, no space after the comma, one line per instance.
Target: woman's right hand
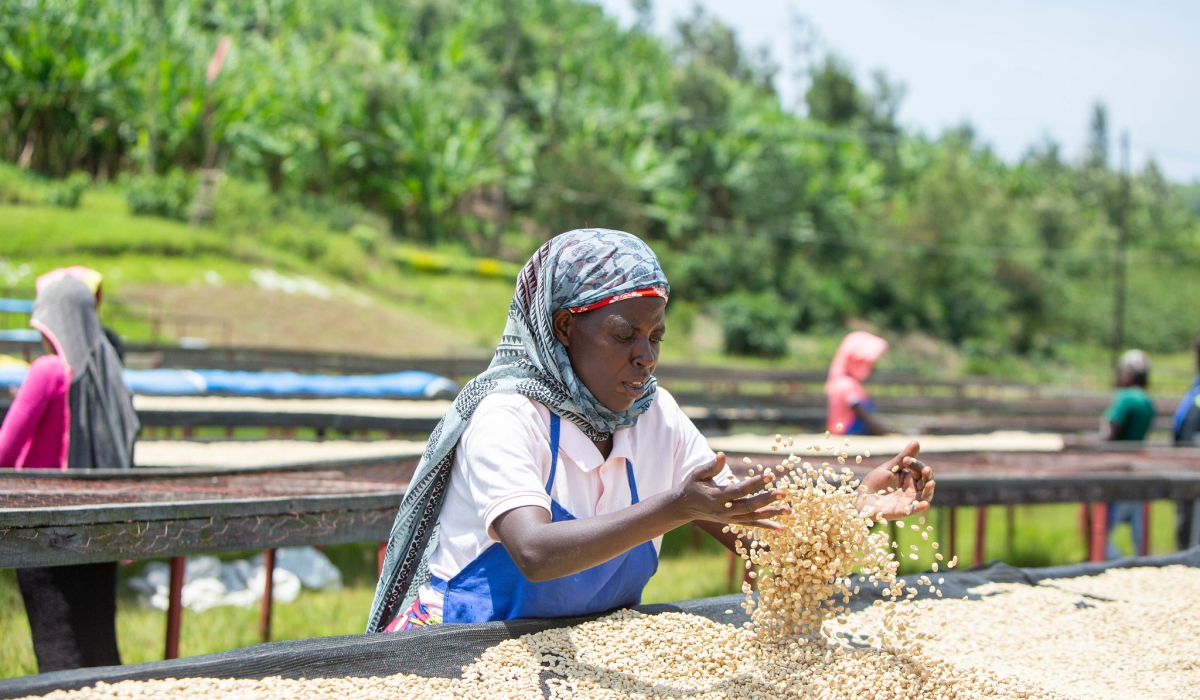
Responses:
[701,498]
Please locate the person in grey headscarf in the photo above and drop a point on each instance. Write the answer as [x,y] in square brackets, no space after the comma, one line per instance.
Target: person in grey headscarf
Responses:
[103,423]
[547,487]
[72,609]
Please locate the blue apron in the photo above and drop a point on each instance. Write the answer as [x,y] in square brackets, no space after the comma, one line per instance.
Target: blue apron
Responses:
[858,427]
[492,587]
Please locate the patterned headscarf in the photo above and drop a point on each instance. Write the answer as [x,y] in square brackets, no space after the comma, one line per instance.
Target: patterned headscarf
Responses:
[578,270]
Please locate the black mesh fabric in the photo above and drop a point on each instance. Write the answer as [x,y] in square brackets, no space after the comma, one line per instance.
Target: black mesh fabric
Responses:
[444,650]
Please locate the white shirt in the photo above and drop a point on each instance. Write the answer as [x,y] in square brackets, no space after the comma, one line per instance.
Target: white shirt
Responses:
[503,461]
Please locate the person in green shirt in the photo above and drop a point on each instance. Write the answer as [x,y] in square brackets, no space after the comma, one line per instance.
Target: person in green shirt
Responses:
[1129,417]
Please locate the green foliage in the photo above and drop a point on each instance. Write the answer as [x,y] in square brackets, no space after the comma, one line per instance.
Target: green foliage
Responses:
[366,237]
[67,193]
[467,125]
[16,187]
[834,97]
[344,258]
[306,242]
[168,196]
[422,260]
[28,232]
[756,324]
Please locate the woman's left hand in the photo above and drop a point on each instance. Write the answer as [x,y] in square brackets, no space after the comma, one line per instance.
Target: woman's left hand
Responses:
[900,487]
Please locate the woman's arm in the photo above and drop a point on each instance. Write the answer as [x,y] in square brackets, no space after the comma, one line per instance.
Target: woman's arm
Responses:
[26,411]
[545,550]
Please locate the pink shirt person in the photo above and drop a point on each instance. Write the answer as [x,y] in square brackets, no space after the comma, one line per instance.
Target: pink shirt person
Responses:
[73,409]
[852,365]
[35,430]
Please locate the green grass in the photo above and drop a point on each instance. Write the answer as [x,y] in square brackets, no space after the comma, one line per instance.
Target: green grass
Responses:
[1042,535]
[140,630]
[133,250]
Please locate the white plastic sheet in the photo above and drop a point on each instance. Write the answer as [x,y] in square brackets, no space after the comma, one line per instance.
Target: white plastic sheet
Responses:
[210,583]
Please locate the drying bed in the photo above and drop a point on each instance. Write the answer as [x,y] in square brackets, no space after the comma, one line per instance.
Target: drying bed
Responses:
[70,517]
[442,651]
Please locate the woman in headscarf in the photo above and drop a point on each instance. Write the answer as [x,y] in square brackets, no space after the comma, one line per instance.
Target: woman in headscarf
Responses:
[95,282]
[72,411]
[851,411]
[546,489]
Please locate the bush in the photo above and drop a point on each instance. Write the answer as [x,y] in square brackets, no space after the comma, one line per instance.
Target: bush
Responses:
[344,258]
[168,196]
[367,237]
[246,207]
[421,260]
[756,324]
[310,243]
[15,187]
[67,193]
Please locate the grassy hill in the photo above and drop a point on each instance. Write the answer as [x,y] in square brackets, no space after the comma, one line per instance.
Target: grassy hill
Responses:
[164,280]
[289,280]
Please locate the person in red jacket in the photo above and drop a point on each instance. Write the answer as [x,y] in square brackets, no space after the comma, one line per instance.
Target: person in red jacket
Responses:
[851,411]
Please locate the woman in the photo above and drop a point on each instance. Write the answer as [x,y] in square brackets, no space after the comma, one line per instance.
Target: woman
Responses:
[95,282]
[72,410]
[851,411]
[546,490]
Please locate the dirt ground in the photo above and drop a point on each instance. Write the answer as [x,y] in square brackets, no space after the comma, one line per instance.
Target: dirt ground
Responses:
[252,317]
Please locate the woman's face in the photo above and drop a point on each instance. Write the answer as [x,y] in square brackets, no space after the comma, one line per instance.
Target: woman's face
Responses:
[614,349]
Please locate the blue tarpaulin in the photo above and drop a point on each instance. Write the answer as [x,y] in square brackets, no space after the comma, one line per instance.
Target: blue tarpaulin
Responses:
[21,335]
[16,306]
[176,382]
[12,375]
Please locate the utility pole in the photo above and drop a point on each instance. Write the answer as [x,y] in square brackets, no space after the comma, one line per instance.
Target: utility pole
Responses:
[1121,259]
[153,77]
[210,175]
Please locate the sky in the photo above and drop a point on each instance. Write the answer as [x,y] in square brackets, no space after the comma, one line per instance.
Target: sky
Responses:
[1018,71]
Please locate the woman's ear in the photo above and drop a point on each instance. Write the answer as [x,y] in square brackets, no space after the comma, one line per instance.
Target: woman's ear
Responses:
[562,321]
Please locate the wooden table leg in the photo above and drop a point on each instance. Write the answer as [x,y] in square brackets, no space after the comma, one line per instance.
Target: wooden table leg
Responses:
[953,543]
[980,533]
[264,615]
[1144,545]
[1010,530]
[175,606]
[1194,535]
[1085,526]
[1099,533]
[941,525]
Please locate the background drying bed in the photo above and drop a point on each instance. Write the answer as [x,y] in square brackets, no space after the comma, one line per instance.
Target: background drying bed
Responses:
[269,453]
[70,518]
[444,650]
